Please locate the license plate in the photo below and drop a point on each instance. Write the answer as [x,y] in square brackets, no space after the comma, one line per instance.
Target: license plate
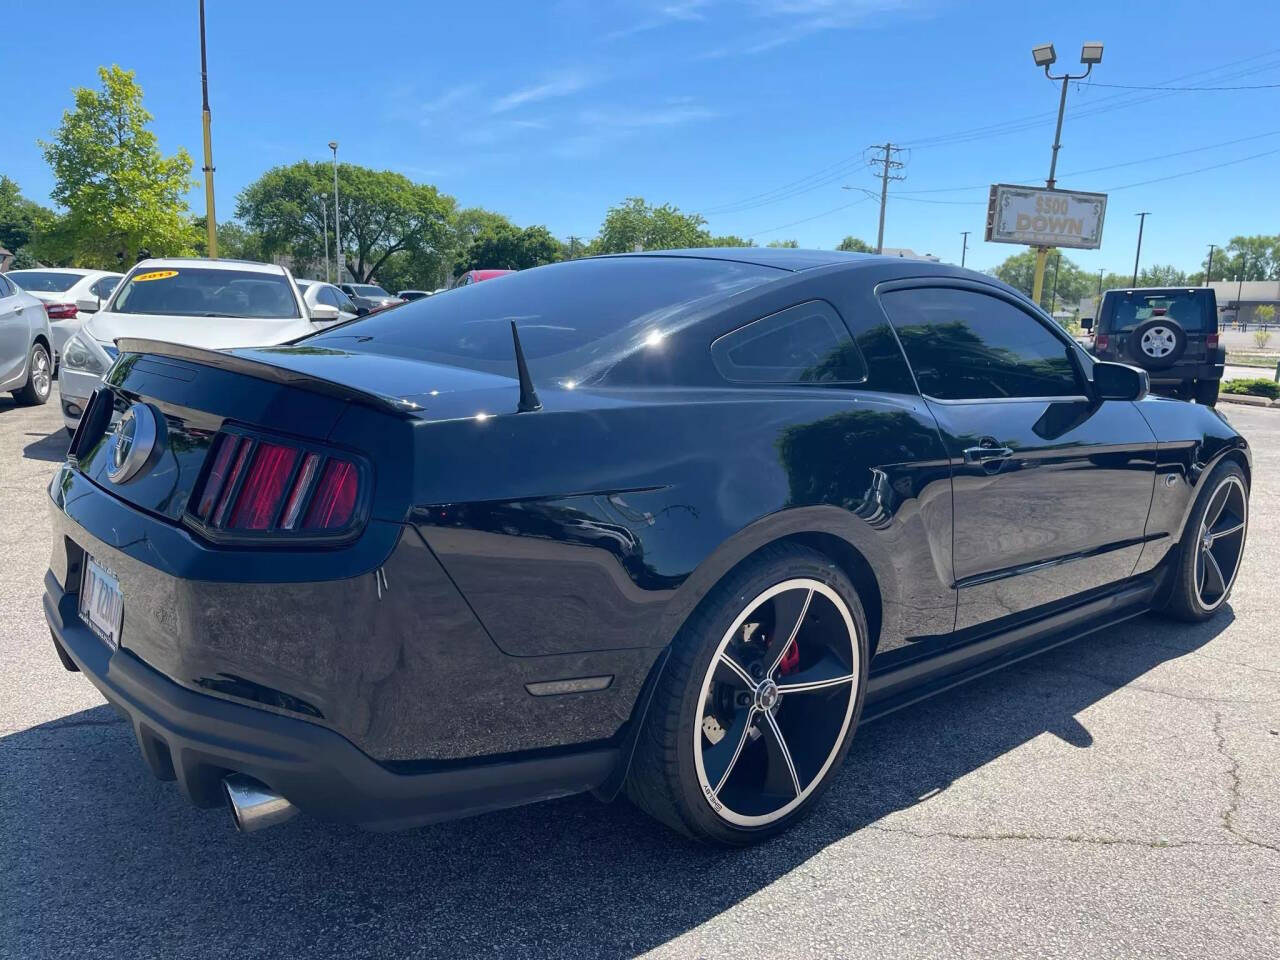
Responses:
[101,602]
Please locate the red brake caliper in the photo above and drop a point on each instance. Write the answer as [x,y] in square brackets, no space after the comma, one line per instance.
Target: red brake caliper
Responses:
[790,661]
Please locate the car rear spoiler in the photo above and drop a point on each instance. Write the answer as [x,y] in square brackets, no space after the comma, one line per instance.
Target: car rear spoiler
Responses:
[273,373]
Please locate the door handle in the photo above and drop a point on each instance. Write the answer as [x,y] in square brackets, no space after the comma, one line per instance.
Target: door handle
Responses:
[985,454]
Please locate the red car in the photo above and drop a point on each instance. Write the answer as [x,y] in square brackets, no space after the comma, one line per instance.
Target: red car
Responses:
[475,276]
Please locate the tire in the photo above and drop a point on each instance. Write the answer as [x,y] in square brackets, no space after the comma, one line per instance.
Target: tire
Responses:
[1157,343]
[39,379]
[774,763]
[1206,392]
[1221,508]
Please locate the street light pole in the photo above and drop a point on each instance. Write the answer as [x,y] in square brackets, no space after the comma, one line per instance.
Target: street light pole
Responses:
[1100,269]
[324,209]
[210,218]
[337,217]
[1208,273]
[1044,56]
[1142,222]
[964,249]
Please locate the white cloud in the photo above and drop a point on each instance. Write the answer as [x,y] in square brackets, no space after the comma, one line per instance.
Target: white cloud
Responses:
[560,85]
[449,98]
[671,114]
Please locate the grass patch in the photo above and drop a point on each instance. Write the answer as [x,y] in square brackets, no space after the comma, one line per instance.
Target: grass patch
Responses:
[1256,387]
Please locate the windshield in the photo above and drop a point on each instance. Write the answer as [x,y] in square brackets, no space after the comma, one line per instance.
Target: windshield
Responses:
[572,317]
[203,292]
[45,281]
[368,290]
[1126,310]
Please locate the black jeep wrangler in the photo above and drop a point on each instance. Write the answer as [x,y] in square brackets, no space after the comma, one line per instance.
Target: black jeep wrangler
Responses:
[1172,333]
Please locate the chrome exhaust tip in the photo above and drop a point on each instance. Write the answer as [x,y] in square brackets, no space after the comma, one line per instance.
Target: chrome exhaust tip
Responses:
[254,805]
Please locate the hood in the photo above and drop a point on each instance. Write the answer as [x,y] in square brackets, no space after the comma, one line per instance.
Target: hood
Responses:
[211,333]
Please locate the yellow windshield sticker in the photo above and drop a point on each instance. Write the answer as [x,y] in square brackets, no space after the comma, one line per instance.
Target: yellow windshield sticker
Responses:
[155,275]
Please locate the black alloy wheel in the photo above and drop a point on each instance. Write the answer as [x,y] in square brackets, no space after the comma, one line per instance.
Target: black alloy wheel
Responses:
[759,702]
[1212,545]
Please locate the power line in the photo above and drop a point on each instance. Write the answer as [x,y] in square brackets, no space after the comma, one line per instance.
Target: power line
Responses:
[1126,86]
[1188,173]
[833,172]
[816,216]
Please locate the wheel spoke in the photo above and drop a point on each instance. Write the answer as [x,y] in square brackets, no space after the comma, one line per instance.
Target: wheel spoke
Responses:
[730,671]
[1217,504]
[718,762]
[780,749]
[1213,577]
[789,611]
[1226,531]
[826,673]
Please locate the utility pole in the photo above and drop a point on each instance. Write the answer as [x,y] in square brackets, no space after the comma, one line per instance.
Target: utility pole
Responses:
[886,161]
[1045,56]
[324,209]
[210,218]
[1244,265]
[337,217]
[964,249]
[1208,273]
[573,247]
[1100,270]
[1142,222]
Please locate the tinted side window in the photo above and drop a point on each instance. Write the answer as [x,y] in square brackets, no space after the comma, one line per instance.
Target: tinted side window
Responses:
[807,343]
[6,288]
[345,304]
[964,345]
[327,296]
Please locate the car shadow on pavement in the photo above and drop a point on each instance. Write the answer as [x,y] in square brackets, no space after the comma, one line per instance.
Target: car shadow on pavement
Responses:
[51,448]
[101,860]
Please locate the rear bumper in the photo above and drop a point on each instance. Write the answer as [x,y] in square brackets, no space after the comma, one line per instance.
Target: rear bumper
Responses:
[197,739]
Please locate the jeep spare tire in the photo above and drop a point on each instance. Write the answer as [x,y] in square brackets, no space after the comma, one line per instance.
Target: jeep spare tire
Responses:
[1158,343]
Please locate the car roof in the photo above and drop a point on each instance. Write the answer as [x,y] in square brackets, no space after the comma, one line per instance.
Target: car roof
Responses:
[248,266]
[1189,288]
[782,258]
[78,271]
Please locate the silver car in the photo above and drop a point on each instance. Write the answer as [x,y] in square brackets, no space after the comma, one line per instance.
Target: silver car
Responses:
[26,345]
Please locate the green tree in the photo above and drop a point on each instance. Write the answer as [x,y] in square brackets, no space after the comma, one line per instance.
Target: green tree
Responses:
[506,247]
[1072,283]
[728,240]
[121,194]
[635,223]
[1248,258]
[235,241]
[854,245]
[1161,275]
[785,244]
[22,222]
[383,213]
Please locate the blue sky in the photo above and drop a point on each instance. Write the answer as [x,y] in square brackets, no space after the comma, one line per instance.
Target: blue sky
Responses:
[754,112]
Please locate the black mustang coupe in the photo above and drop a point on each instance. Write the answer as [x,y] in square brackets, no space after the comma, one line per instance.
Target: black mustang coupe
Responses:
[666,525]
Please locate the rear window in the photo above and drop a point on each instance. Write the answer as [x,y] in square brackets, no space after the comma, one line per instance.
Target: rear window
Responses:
[1125,310]
[368,290]
[45,281]
[571,316]
[202,292]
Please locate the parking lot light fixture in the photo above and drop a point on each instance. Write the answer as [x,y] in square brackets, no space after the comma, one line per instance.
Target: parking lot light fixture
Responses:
[1044,55]
[337,217]
[1091,53]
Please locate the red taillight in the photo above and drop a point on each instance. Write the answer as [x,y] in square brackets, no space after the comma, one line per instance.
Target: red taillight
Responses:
[1100,341]
[1211,341]
[263,491]
[60,311]
[335,498]
[265,486]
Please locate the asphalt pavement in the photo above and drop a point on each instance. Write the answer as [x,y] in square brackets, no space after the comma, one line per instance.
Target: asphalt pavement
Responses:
[1116,797]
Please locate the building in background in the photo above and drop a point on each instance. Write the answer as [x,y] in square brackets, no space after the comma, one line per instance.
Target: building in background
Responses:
[906,253]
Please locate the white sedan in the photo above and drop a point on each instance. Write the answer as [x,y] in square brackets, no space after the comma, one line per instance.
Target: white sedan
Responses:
[316,293]
[69,296]
[215,304]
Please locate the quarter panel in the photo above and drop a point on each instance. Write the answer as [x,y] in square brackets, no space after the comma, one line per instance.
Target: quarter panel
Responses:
[641,495]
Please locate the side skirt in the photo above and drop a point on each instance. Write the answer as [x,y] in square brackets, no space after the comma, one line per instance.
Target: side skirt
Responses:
[901,686]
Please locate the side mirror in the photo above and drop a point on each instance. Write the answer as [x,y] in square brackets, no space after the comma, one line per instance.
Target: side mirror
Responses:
[1086,323]
[88,305]
[1119,381]
[324,313]
[363,311]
